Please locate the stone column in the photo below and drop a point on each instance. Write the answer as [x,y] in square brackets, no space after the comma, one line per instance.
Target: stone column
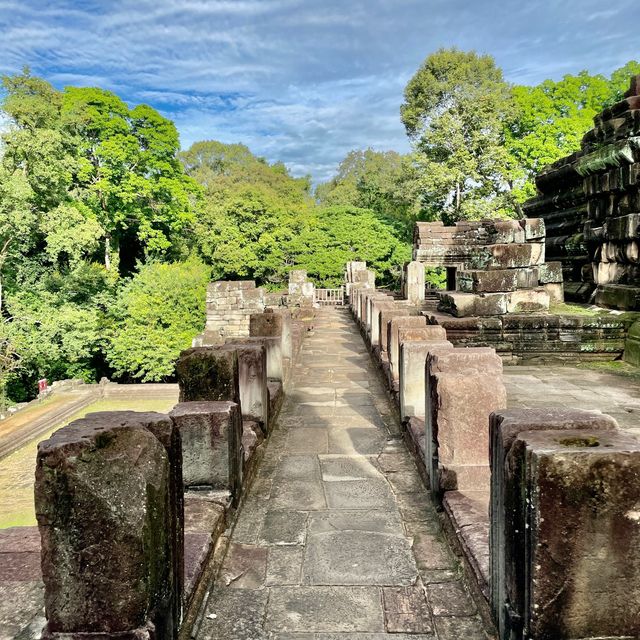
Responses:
[208,373]
[393,342]
[464,386]
[377,305]
[415,345]
[108,497]
[273,325]
[212,454]
[252,380]
[415,282]
[577,505]
[273,346]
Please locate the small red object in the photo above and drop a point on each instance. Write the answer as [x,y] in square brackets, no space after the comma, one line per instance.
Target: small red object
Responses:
[42,385]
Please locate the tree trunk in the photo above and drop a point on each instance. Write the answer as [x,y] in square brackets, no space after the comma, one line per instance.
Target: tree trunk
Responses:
[107,252]
[458,196]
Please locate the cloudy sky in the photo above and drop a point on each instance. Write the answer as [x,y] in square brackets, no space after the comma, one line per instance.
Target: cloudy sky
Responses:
[303,81]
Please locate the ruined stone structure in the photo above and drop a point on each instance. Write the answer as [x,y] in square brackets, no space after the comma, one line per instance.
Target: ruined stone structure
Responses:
[558,482]
[301,290]
[229,305]
[338,536]
[590,202]
[493,267]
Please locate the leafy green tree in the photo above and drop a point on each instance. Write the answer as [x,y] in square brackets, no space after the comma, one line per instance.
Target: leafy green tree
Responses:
[550,119]
[383,181]
[338,234]
[128,174]
[157,314]
[454,111]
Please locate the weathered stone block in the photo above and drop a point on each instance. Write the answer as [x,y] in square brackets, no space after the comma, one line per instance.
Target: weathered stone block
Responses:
[275,364]
[555,291]
[618,296]
[211,444]
[550,272]
[464,305]
[414,282]
[413,356]
[110,517]
[385,317]
[252,379]
[528,301]
[377,305]
[509,512]
[487,281]
[393,342]
[580,495]
[464,386]
[272,324]
[534,228]
[505,231]
[208,373]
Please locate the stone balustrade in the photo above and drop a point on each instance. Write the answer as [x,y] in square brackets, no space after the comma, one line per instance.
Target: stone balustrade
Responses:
[556,558]
[129,504]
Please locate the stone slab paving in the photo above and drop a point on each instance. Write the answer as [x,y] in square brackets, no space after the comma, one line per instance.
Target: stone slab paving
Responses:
[337,539]
[572,388]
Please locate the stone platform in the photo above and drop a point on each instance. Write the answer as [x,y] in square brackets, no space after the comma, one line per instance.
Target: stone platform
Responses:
[338,539]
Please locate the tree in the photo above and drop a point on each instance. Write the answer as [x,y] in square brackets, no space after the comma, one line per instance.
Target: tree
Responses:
[338,234]
[128,174]
[382,181]
[157,314]
[453,111]
[550,119]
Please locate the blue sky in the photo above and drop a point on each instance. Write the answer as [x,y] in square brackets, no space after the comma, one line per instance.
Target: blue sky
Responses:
[303,81]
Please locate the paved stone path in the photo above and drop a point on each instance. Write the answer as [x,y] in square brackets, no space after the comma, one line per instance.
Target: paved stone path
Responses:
[337,539]
[572,388]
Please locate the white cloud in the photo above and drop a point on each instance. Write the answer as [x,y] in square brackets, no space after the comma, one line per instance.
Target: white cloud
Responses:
[304,81]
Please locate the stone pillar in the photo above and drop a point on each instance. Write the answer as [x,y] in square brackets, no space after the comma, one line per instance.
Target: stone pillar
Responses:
[414,349]
[464,386]
[371,300]
[273,325]
[252,380]
[108,497]
[208,373]
[393,342]
[414,282]
[273,346]
[301,290]
[212,454]
[377,306]
[572,503]
[386,315]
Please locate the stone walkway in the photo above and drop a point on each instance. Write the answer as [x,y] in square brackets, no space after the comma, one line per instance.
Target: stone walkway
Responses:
[572,388]
[337,539]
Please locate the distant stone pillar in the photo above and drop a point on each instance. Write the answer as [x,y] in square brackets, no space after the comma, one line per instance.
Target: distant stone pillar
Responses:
[464,386]
[212,455]
[565,525]
[414,282]
[273,325]
[108,497]
[415,345]
[301,290]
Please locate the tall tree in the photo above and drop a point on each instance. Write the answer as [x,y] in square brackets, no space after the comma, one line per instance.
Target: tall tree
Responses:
[128,172]
[453,111]
[383,181]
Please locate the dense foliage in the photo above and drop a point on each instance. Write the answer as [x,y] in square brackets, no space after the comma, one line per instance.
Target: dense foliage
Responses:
[109,234]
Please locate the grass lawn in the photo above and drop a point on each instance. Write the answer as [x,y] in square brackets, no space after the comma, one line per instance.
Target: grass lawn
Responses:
[17,470]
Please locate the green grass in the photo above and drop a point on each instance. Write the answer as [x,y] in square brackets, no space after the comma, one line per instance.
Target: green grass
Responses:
[17,470]
[616,367]
[572,309]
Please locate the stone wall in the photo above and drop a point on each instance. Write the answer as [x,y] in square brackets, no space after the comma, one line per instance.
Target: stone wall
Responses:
[590,202]
[494,267]
[229,305]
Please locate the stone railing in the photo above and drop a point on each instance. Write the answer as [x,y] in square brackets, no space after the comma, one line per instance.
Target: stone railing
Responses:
[130,505]
[542,505]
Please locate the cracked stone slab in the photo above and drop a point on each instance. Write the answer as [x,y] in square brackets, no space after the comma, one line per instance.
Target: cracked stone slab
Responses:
[372,493]
[284,528]
[356,520]
[234,613]
[406,610]
[324,609]
[358,558]
[355,440]
[244,567]
[301,495]
[284,566]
